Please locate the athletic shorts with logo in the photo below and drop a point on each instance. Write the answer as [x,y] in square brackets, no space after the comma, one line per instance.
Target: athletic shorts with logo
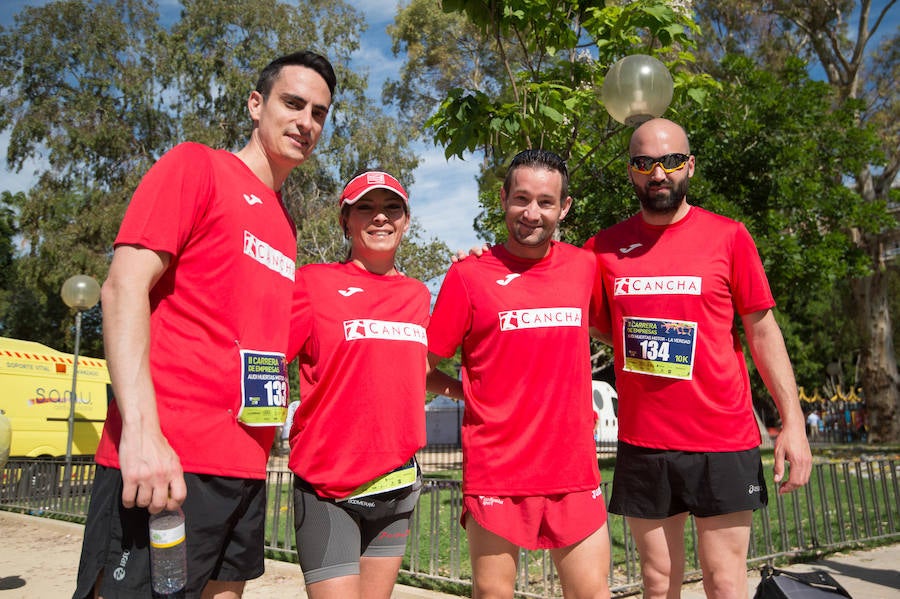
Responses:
[333,534]
[539,522]
[657,483]
[224,529]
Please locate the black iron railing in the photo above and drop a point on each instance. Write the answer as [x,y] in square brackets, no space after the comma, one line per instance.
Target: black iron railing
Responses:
[846,503]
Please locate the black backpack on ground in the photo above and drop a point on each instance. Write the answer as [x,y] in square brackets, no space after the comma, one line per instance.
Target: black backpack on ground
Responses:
[781,584]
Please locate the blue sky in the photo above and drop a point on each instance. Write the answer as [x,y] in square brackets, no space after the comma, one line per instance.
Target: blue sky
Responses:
[444,195]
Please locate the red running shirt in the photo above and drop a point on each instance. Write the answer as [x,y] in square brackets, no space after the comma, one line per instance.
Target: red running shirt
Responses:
[361,339]
[668,297]
[228,287]
[522,324]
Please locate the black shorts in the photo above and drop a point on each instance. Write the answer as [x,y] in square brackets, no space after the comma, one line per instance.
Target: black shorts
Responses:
[333,534]
[225,530]
[657,483]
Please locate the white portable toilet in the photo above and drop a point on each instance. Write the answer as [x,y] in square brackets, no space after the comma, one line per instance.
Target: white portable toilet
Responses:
[443,421]
[606,407]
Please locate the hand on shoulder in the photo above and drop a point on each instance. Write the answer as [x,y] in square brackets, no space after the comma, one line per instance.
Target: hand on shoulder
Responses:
[473,251]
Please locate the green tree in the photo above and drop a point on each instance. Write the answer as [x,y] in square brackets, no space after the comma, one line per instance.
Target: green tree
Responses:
[96,90]
[821,31]
[7,252]
[778,169]
[81,100]
[814,231]
[494,78]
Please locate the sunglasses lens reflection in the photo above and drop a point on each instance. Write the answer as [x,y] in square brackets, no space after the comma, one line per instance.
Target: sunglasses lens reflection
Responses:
[669,162]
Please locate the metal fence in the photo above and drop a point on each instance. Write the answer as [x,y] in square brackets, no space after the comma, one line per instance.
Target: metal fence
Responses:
[440,458]
[846,503]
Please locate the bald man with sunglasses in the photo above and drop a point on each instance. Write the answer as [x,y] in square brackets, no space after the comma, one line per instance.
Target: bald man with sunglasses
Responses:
[670,281]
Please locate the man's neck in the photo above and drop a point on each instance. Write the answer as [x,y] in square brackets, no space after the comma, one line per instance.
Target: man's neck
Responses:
[257,161]
[666,218]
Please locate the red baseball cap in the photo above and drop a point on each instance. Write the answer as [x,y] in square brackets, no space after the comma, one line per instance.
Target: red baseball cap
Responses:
[366,182]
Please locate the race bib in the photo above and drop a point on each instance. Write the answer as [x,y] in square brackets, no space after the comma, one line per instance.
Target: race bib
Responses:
[659,347]
[264,388]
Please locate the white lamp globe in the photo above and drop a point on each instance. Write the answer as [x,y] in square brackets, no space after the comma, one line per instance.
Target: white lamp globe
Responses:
[81,292]
[637,88]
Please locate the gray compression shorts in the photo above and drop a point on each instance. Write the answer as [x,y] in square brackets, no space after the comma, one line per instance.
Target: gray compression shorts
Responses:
[332,535]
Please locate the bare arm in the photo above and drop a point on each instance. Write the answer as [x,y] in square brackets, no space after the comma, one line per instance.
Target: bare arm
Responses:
[771,359]
[440,382]
[151,471]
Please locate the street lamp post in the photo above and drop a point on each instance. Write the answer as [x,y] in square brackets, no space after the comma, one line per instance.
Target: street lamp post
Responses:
[637,88]
[82,293]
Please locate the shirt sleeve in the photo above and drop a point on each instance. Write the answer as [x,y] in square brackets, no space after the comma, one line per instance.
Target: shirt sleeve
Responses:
[750,286]
[301,317]
[598,314]
[452,315]
[170,201]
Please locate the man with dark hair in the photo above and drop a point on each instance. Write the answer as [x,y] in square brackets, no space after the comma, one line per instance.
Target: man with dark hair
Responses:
[196,310]
[670,281]
[312,61]
[519,311]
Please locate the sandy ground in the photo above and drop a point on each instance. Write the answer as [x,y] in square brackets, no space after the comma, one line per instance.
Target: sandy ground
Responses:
[39,560]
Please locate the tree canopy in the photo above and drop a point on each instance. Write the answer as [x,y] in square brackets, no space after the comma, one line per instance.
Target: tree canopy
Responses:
[806,164]
[96,90]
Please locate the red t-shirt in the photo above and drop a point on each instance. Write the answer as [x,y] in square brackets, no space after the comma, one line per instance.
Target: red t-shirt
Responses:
[228,288]
[668,296]
[522,324]
[362,344]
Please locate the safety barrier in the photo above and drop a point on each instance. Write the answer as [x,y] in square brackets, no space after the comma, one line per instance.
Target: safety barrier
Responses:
[845,504]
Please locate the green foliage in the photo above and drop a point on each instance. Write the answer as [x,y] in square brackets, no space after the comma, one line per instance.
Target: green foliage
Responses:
[781,168]
[420,258]
[96,90]
[536,83]
[837,40]
[555,56]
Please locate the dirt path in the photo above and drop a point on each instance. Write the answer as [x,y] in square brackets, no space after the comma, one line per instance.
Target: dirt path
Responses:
[39,560]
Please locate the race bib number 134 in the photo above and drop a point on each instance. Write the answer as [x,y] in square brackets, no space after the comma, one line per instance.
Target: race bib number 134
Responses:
[660,347]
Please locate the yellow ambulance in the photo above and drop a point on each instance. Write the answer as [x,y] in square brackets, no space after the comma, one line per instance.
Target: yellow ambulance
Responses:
[35,388]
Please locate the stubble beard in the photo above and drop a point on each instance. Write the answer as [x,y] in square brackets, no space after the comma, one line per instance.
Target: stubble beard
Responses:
[666,202]
[535,238]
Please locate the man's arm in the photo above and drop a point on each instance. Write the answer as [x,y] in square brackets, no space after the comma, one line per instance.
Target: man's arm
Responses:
[151,471]
[440,382]
[771,359]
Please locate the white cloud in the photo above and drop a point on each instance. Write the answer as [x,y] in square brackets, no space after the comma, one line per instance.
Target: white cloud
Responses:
[444,198]
[15,181]
[378,12]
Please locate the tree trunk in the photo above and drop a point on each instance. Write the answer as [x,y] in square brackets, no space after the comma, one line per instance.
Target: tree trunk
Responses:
[878,373]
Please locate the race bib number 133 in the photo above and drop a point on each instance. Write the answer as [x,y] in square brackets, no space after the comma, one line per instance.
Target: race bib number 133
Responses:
[264,388]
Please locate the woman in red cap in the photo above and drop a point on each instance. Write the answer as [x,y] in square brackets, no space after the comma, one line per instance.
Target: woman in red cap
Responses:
[358,327]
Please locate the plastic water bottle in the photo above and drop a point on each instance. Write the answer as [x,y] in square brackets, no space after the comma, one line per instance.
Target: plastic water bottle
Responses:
[168,557]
